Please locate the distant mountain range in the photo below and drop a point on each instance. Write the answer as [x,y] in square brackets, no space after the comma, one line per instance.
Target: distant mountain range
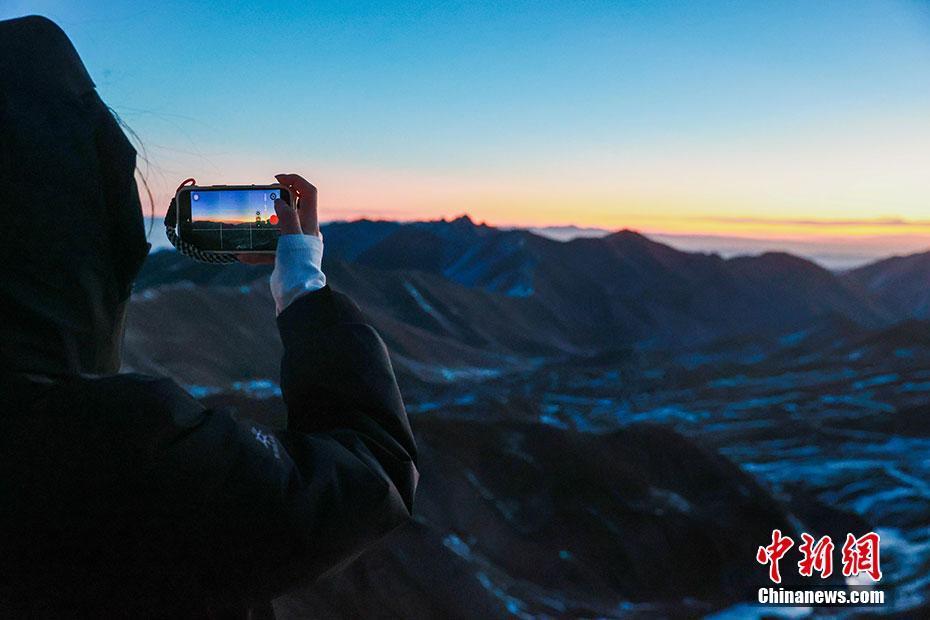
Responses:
[455,294]
[836,253]
[832,252]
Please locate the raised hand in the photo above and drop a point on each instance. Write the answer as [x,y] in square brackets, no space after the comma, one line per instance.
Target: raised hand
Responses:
[302,218]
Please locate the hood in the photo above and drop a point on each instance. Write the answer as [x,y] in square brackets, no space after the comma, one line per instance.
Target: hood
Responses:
[72,236]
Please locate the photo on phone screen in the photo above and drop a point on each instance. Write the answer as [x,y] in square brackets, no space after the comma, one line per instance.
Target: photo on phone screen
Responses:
[232,219]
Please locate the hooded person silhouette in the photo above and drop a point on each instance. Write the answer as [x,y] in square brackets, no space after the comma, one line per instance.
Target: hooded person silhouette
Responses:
[72,235]
[120,494]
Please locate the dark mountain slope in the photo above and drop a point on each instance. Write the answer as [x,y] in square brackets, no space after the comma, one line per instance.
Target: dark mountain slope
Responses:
[637,520]
[902,283]
[627,282]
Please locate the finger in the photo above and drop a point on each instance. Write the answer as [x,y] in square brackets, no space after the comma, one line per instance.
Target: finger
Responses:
[288,222]
[306,202]
[256,259]
[302,186]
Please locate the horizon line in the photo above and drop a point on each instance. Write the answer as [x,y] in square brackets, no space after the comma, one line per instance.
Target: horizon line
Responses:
[835,254]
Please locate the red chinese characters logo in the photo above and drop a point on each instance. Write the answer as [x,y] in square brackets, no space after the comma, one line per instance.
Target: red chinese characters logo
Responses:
[859,555]
[817,556]
[773,553]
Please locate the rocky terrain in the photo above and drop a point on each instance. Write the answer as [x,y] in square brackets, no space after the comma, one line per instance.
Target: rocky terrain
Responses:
[608,427]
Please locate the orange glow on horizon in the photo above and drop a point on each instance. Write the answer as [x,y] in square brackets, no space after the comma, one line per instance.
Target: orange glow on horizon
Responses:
[717,199]
[801,229]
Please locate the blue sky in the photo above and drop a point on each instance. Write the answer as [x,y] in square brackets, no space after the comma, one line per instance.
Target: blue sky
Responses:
[682,117]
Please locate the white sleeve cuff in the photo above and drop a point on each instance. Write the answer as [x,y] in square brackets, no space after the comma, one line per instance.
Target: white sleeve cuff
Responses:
[297,268]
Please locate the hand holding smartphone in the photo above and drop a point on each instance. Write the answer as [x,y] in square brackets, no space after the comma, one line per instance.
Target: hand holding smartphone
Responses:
[246,220]
[231,219]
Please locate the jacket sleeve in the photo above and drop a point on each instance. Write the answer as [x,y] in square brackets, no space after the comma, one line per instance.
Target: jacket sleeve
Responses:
[339,387]
[282,507]
[347,426]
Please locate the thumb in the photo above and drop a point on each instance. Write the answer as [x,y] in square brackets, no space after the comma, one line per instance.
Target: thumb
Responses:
[288,222]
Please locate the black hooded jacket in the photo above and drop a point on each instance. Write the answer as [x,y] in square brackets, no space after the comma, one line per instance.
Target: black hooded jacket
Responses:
[121,495]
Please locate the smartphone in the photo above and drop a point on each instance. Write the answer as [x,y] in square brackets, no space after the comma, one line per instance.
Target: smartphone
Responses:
[231,219]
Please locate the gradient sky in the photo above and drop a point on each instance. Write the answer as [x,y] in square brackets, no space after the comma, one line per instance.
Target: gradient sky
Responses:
[764,119]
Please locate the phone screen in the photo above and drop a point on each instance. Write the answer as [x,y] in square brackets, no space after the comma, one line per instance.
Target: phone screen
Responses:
[232,219]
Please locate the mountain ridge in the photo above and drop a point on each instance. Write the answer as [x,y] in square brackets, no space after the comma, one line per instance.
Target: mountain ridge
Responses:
[903,281]
[490,294]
